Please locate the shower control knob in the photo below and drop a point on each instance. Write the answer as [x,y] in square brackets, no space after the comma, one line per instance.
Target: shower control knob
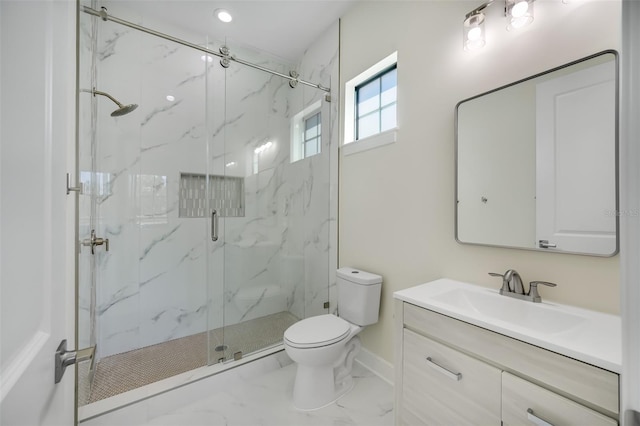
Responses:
[95,241]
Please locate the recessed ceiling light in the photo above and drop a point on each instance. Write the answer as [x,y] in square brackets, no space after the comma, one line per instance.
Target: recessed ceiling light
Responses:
[223,15]
[171,98]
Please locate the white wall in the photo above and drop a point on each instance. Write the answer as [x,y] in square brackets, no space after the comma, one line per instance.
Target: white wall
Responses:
[397,201]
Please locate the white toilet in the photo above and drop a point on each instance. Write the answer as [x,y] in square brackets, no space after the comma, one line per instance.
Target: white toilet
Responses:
[325,346]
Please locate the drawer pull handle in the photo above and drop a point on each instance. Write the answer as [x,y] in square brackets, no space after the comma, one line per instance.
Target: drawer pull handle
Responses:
[536,420]
[450,374]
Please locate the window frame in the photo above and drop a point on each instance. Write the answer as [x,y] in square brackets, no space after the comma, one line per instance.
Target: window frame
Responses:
[380,107]
[318,137]
[298,130]
[349,144]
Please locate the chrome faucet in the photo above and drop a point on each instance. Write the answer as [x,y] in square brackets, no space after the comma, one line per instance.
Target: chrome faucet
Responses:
[512,286]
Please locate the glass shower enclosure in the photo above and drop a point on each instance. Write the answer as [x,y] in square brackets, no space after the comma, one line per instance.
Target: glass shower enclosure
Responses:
[204,219]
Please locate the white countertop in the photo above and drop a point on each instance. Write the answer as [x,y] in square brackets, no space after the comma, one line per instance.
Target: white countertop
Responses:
[593,337]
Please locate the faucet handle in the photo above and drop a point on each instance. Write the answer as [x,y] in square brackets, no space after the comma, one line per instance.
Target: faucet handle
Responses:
[505,282]
[533,290]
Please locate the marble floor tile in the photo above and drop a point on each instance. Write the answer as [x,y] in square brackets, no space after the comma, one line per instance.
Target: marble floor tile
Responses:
[266,401]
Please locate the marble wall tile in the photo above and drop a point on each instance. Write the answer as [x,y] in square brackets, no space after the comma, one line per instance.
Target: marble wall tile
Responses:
[163,275]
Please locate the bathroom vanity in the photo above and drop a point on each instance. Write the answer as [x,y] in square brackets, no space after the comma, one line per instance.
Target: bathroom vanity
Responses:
[467,355]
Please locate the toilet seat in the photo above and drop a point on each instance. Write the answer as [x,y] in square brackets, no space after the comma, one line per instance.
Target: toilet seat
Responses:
[313,332]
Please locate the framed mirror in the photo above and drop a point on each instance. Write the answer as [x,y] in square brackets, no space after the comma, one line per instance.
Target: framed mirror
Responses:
[537,161]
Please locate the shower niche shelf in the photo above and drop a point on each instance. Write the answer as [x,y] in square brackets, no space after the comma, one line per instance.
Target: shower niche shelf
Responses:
[197,197]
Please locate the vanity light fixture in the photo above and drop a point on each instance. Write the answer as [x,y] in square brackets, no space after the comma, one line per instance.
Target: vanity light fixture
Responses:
[519,13]
[473,28]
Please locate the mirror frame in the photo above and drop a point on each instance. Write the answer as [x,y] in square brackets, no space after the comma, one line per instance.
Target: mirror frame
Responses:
[616,59]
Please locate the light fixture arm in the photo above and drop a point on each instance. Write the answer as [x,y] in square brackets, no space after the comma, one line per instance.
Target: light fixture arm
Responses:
[479,9]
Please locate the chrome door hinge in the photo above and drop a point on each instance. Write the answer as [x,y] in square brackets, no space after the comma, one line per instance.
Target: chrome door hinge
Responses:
[546,244]
[70,188]
[64,358]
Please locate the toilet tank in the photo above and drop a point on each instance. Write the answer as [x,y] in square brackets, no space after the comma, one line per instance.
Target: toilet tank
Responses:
[358,296]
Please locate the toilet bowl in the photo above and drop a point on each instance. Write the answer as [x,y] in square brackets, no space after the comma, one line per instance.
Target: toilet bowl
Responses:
[318,346]
[324,346]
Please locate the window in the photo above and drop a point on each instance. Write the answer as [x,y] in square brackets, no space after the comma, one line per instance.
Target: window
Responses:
[370,110]
[376,104]
[306,132]
[312,135]
[152,198]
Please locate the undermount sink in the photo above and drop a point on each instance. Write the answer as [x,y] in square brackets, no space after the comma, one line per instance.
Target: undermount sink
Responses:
[537,317]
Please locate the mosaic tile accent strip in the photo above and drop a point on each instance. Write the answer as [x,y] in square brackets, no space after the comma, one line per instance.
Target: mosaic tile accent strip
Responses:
[123,372]
[201,193]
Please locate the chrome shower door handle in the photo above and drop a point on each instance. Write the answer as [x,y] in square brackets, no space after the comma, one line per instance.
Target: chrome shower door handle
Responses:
[214,225]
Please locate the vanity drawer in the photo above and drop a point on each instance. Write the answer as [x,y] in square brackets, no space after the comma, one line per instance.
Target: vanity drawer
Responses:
[589,385]
[434,393]
[519,396]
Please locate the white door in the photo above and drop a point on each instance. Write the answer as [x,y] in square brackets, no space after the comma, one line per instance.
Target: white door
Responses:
[575,128]
[630,222]
[37,86]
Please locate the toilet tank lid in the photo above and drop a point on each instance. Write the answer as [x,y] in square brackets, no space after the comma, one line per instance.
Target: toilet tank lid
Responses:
[357,276]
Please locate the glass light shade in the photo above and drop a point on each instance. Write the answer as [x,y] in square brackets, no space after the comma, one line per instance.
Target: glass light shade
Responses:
[519,13]
[473,31]
[223,15]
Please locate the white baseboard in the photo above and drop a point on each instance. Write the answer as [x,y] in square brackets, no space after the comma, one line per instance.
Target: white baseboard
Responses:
[379,366]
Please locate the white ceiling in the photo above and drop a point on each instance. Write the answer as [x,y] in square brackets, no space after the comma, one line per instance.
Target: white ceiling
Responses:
[284,28]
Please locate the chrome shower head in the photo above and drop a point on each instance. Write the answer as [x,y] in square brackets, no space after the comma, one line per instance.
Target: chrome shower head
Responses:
[122,109]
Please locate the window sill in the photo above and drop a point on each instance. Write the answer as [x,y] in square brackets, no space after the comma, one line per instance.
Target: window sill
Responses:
[375,141]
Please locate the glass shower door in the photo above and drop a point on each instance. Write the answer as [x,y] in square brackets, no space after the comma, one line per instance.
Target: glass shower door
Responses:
[144,302]
[275,261]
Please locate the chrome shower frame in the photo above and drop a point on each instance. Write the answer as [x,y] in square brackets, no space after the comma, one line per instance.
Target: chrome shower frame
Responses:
[225,57]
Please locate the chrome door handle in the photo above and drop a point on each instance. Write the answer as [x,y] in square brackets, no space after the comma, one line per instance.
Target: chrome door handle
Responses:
[539,421]
[95,241]
[214,225]
[450,374]
[65,358]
